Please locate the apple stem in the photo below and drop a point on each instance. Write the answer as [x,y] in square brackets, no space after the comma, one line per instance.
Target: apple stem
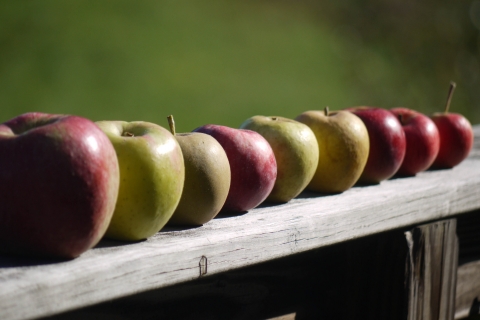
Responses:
[326,110]
[453,85]
[128,134]
[171,124]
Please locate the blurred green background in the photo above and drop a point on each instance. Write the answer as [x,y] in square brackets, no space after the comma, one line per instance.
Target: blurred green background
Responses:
[224,61]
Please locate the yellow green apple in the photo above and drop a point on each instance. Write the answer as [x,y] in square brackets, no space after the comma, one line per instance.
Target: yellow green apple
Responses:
[344,145]
[207,178]
[152,174]
[296,153]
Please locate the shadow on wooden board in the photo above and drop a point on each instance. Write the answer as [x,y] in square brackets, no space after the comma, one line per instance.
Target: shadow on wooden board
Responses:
[467,302]
[432,271]
[365,278]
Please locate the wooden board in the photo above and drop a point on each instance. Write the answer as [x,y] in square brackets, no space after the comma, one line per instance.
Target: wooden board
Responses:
[468,290]
[433,262]
[359,279]
[468,273]
[33,288]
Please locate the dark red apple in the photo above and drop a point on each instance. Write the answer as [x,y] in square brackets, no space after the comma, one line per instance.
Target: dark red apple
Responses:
[387,143]
[456,136]
[59,182]
[423,141]
[252,164]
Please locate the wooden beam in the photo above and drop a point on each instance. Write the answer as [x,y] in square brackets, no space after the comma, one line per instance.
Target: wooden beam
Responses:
[432,268]
[361,279]
[468,275]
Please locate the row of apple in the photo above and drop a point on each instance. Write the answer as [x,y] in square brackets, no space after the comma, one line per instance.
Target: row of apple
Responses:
[65,182]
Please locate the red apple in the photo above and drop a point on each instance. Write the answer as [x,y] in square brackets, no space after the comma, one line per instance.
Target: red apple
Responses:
[252,164]
[423,141]
[387,143]
[456,136]
[59,181]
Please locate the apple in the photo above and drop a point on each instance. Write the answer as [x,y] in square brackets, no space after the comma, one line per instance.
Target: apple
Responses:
[423,141]
[456,136]
[59,182]
[387,143]
[296,153]
[344,146]
[252,164]
[152,173]
[207,178]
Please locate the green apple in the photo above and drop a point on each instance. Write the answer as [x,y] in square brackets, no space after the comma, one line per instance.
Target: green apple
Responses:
[207,178]
[344,145]
[152,173]
[296,152]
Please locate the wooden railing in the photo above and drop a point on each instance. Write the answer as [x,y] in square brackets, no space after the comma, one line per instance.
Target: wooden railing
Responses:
[32,288]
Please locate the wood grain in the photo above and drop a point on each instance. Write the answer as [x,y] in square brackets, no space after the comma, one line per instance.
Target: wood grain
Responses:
[468,290]
[360,279]
[468,274]
[433,270]
[33,288]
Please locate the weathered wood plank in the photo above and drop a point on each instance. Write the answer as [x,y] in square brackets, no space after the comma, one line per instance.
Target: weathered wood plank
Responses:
[32,288]
[433,271]
[359,279]
[369,281]
[468,290]
[468,274]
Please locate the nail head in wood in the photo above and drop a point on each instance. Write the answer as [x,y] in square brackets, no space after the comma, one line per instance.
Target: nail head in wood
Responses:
[203,266]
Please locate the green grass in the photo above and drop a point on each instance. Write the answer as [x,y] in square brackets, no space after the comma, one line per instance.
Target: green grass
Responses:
[209,62]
